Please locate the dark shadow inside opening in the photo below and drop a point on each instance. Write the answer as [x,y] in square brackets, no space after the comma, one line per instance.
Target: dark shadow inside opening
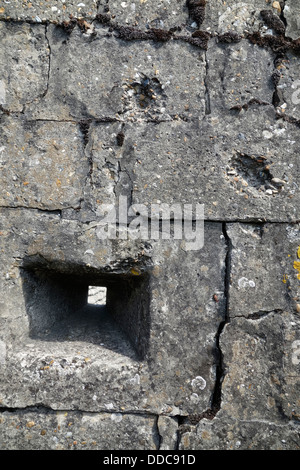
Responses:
[59,308]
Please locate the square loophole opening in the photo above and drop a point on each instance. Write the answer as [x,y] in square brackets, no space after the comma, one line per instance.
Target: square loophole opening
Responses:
[97,295]
[107,310]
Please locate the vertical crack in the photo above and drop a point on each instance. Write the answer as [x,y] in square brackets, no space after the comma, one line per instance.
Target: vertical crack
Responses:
[159,437]
[282,17]
[220,369]
[276,75]
[49,61]
[84,127]
[207,94]
[216,399]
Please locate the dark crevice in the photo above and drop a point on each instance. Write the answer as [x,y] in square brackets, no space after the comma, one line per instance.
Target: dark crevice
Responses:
[196,10]
[159,437]
[198,38]
[121,137]
[207,93]
[84,127]
[282,17]
[5,111]
[245,106]
[289,119]
[273,21]
[275,79]
[57,212]
[277,43]
[260,314]
[49,62]
[220,368]
[250,220]
[216,399]
[220,371]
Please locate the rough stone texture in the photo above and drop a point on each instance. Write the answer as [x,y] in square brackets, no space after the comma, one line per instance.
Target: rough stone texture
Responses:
[124,81]
[238,73]
[90,354]
[42,11]
[240,435]
[50,430]
[42,164]
[239,172]
[241,17]
[162,14]
[168,431]
[24,70]
[135,105]
[288,87]
[291,13]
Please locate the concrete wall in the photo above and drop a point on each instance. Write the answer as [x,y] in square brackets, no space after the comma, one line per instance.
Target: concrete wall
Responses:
[141,106]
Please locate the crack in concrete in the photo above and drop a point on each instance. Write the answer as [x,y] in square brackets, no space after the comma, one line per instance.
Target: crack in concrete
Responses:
[259,314]
[207,92]
[49,62]
[216,399]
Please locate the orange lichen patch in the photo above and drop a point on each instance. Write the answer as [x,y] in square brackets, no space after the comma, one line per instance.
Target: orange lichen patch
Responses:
[298,252]
[297,267]
[135,271]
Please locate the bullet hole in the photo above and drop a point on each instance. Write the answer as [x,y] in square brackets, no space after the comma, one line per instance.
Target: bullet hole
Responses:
[250,171]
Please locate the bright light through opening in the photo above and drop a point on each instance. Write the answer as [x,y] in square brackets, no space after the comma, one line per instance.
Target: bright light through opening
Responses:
[97,295]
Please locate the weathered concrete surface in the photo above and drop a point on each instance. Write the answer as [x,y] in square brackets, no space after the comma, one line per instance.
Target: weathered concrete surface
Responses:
[236,171]
[291,13]
[42,164]
[263,277]
[168,431]
[269,387]
[241,17]
[239,173]
[264,323]
[120,80]
[164,102]
[163,14]
[42,11]
[237,74]
[229,434]
[24,57]
[50,430]
[259,344]
[288,87]
[99,362]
